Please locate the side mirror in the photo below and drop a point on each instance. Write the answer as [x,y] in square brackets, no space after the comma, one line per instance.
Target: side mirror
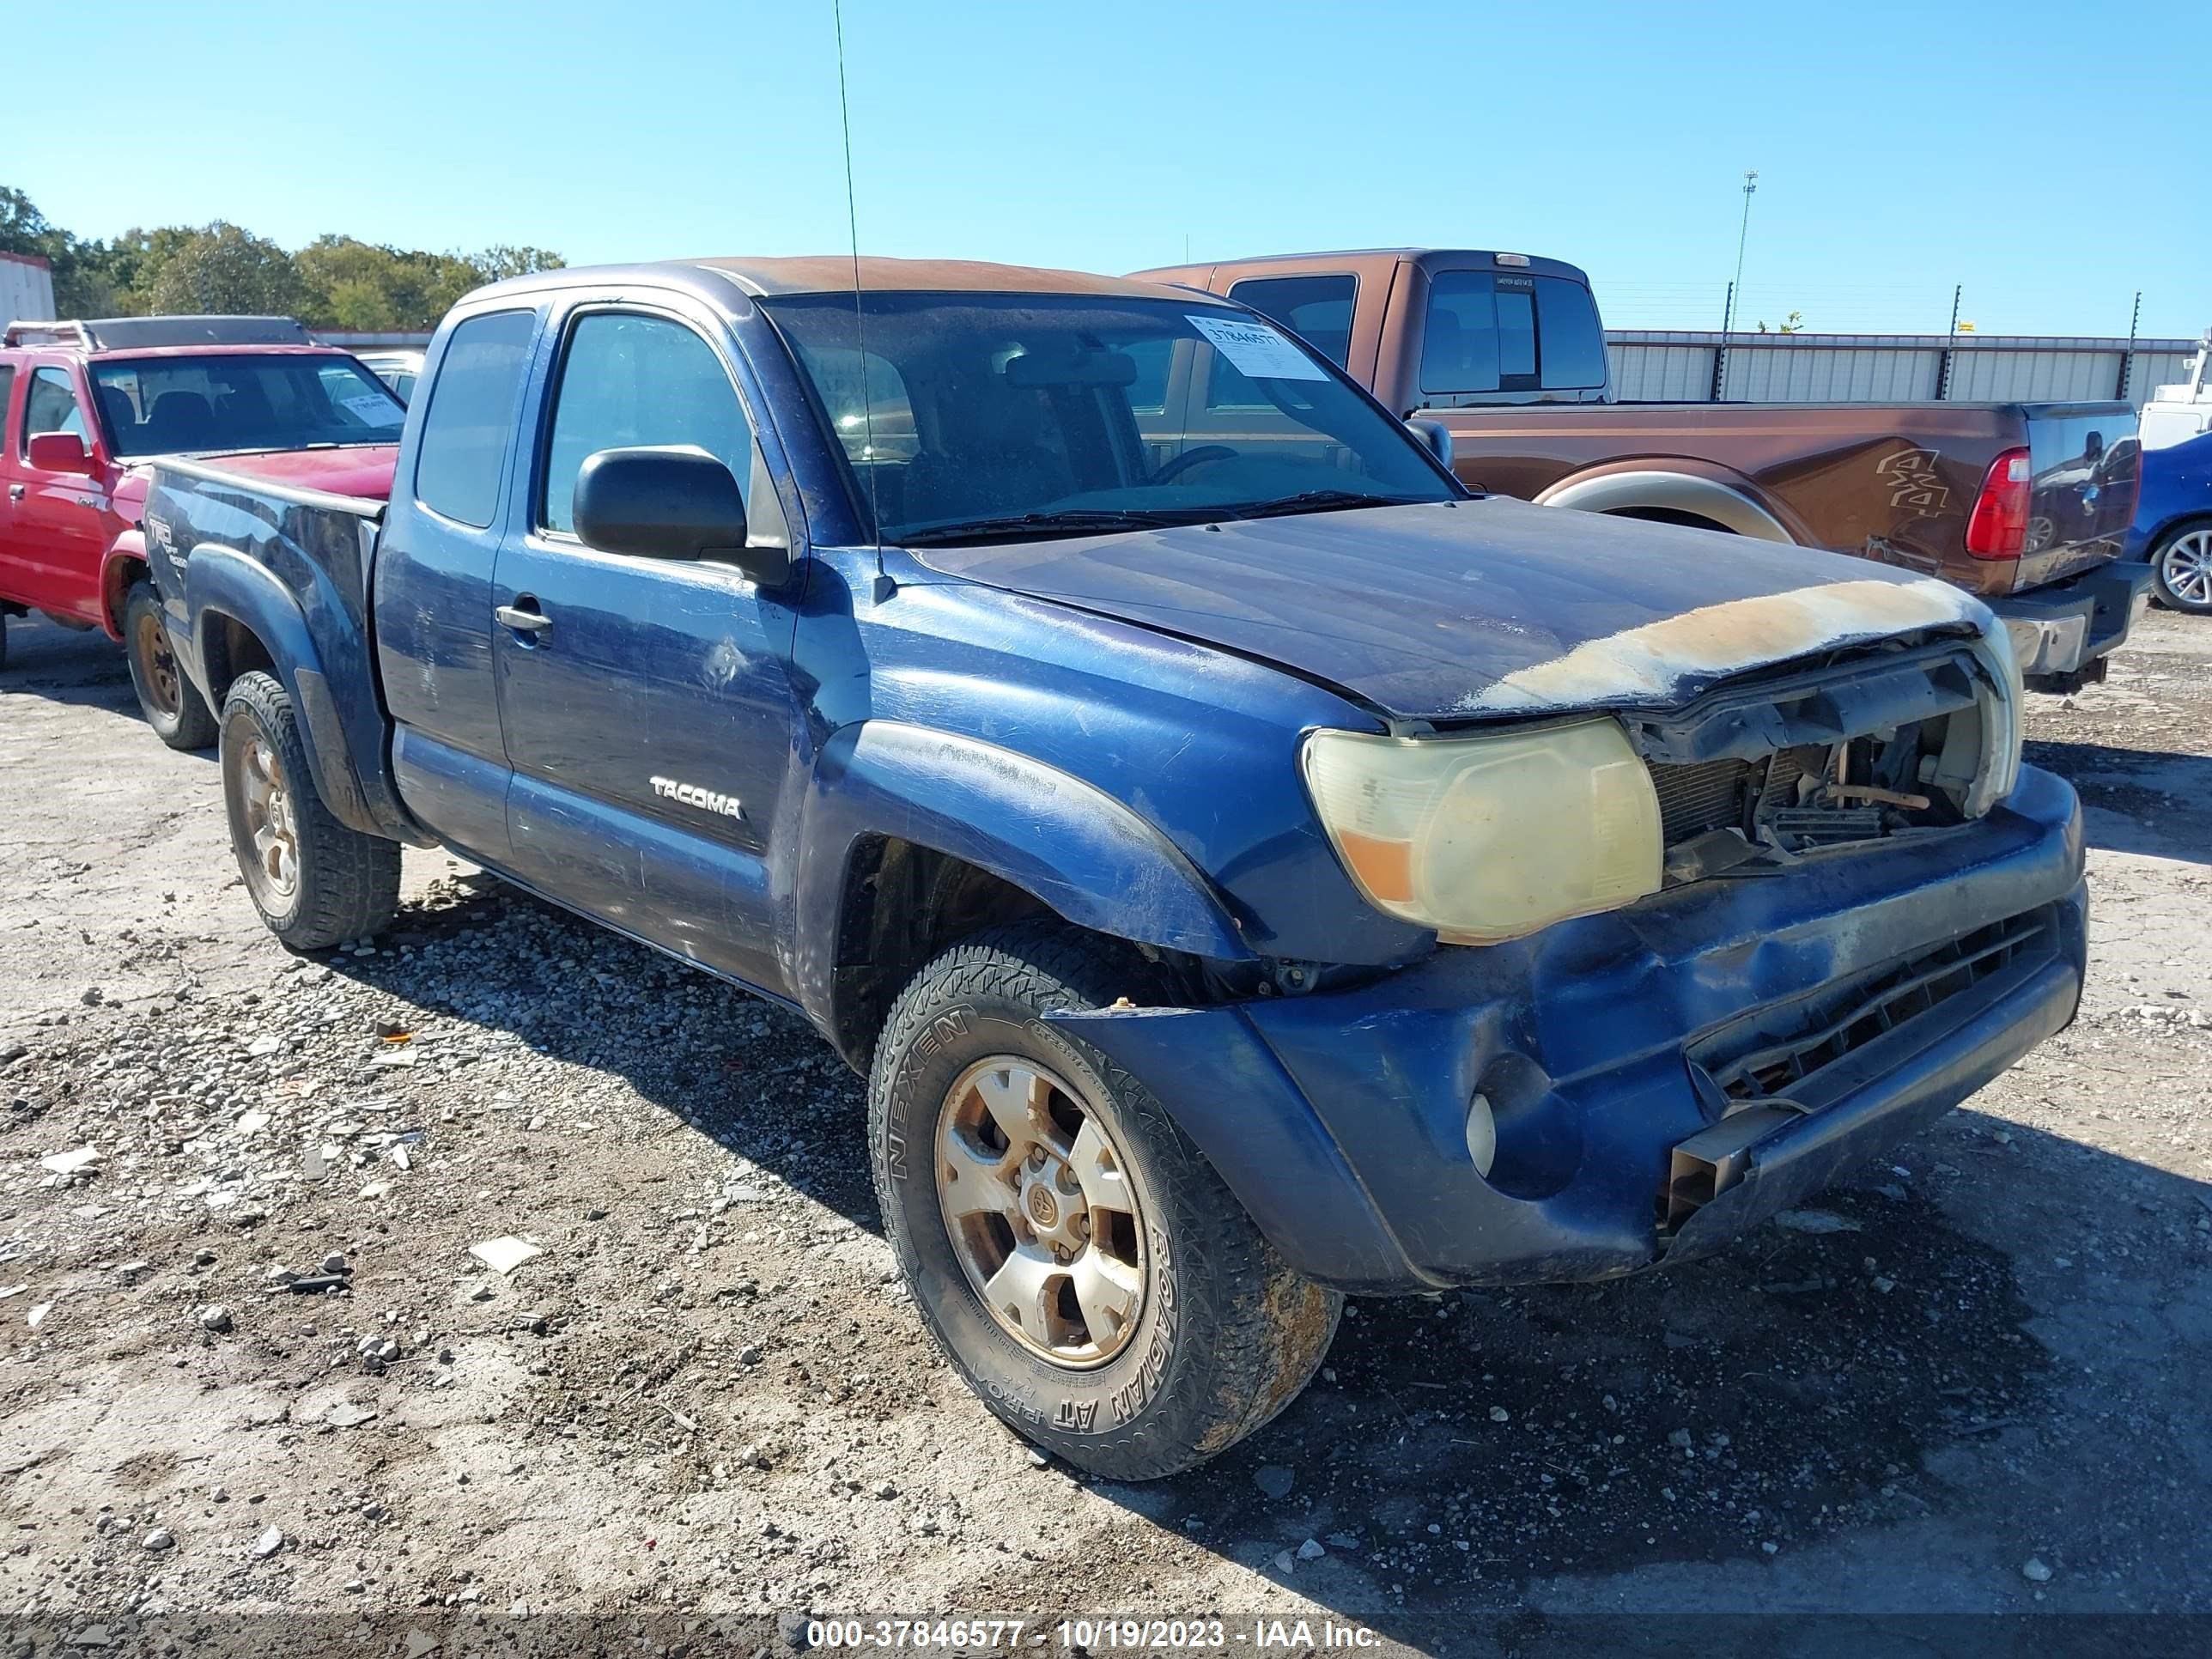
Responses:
[60,452]
[1433,437]
[670,503]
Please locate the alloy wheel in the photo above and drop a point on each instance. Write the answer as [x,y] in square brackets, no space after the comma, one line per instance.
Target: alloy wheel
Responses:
[1043,1211]
[271,819]
[2186,566]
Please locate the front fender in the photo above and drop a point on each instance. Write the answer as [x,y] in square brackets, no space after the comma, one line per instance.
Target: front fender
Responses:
[1085,855]
[126,552]
[221,586]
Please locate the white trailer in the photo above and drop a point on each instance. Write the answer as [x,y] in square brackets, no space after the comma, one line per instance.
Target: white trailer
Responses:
[2175,414]
[27,288]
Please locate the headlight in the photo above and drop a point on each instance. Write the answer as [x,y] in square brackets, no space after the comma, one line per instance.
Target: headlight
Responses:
[2001,724]
[1490,838]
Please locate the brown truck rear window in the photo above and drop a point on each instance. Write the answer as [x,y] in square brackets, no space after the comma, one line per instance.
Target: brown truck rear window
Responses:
[1489,332]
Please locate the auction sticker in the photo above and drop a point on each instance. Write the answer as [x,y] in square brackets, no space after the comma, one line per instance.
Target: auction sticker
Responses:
[1255,350]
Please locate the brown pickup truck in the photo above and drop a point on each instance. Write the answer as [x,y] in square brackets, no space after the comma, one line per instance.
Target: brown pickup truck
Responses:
[2025,505]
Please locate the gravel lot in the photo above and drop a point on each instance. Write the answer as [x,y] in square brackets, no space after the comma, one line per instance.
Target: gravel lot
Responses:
[250,1371]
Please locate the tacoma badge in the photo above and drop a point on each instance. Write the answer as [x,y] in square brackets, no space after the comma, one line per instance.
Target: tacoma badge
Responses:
[690,795]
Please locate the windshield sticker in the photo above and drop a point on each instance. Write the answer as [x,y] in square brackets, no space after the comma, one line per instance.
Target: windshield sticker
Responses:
[1257,351]
[369,409]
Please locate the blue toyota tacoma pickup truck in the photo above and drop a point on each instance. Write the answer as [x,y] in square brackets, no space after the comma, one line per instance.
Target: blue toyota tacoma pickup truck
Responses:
[1247,867]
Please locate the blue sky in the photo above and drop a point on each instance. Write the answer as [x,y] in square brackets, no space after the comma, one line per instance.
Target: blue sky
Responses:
[2014,148]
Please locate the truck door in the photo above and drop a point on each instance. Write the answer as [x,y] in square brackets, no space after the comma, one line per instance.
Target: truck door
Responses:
[13,487]
[433,573]
[58,527]
[647,704]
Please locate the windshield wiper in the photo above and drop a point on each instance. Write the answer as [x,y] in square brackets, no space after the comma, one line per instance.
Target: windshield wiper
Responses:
[1070,521]
[1314,501]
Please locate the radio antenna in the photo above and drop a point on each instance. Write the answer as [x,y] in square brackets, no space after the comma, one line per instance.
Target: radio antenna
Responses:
[859,317]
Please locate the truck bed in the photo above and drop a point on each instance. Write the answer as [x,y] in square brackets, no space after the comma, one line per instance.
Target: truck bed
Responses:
[253,548]
[1891,482]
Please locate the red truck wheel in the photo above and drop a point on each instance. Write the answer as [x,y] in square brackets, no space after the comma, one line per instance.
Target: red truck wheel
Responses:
[1083,1265]
[314,880]
[177,713]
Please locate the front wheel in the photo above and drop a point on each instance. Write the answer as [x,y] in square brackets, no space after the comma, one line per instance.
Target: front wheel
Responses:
[2181,567]
[314,880]
[178,714]
[1081,1263]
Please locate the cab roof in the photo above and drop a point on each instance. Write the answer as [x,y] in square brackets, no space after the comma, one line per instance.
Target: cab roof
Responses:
[133,333]
[833,273]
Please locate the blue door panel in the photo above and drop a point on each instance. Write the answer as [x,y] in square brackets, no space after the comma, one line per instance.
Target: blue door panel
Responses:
[654,677]
[648,712]
[647,878]
[459,797]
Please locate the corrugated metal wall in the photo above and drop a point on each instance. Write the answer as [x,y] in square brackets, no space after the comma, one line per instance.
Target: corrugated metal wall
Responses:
[27,290]
[1677,367]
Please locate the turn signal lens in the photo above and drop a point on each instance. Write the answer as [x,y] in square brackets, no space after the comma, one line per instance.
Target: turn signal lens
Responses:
[1490,838]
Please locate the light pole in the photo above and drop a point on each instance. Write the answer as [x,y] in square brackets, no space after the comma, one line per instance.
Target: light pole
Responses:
[1750,184]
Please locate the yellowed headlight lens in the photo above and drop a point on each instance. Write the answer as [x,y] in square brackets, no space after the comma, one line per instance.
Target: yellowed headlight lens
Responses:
[1490,838]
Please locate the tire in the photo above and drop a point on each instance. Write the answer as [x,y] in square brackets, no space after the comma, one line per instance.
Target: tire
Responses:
[3,641]
[315,881]
[176,711]
[1222,1335]
[2181,568]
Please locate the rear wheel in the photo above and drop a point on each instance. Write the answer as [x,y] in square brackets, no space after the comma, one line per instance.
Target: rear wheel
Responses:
[1081,1263]
[178,714]
[314,880]
[2181,567]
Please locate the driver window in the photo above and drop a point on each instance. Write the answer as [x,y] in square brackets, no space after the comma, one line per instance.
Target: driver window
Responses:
[52,406]
[628,382]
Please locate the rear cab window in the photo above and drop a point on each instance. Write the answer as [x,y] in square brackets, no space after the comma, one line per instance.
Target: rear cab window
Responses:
[1508,332]
[462,453]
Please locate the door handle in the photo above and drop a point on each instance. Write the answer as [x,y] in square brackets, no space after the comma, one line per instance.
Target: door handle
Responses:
[522,621]
[14,492]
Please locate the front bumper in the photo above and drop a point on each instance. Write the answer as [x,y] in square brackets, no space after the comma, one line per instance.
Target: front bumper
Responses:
[2061,630]
[1339,1119]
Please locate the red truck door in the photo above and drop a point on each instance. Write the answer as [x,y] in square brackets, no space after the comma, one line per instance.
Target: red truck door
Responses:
[12,488]
[56,529]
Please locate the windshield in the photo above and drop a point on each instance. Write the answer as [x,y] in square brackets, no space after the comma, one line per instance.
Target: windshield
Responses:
[269,400]
[1006,415]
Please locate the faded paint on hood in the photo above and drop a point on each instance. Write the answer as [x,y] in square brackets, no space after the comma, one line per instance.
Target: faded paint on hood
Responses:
[363,470]
[1478,607]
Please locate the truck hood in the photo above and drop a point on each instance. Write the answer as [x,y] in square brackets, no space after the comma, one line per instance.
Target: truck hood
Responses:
[1479,608]
[364,471]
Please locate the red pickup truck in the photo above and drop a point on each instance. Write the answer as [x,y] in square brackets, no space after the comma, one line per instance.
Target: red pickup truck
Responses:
[85,404]
[1501,359]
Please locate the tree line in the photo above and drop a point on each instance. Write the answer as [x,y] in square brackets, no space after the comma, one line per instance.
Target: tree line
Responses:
[333,282]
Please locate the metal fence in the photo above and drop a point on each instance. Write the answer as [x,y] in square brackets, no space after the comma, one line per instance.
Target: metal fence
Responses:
[1653,366]
[1697,366]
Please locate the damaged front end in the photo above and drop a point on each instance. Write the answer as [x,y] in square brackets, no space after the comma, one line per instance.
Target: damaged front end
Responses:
[1776,925]
[1901,740]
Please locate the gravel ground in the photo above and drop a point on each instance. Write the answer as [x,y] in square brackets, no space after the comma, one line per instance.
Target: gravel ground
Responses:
[258,1378]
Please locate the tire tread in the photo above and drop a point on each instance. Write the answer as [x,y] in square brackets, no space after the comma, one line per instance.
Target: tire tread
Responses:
[1267,1326]
[350,879]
